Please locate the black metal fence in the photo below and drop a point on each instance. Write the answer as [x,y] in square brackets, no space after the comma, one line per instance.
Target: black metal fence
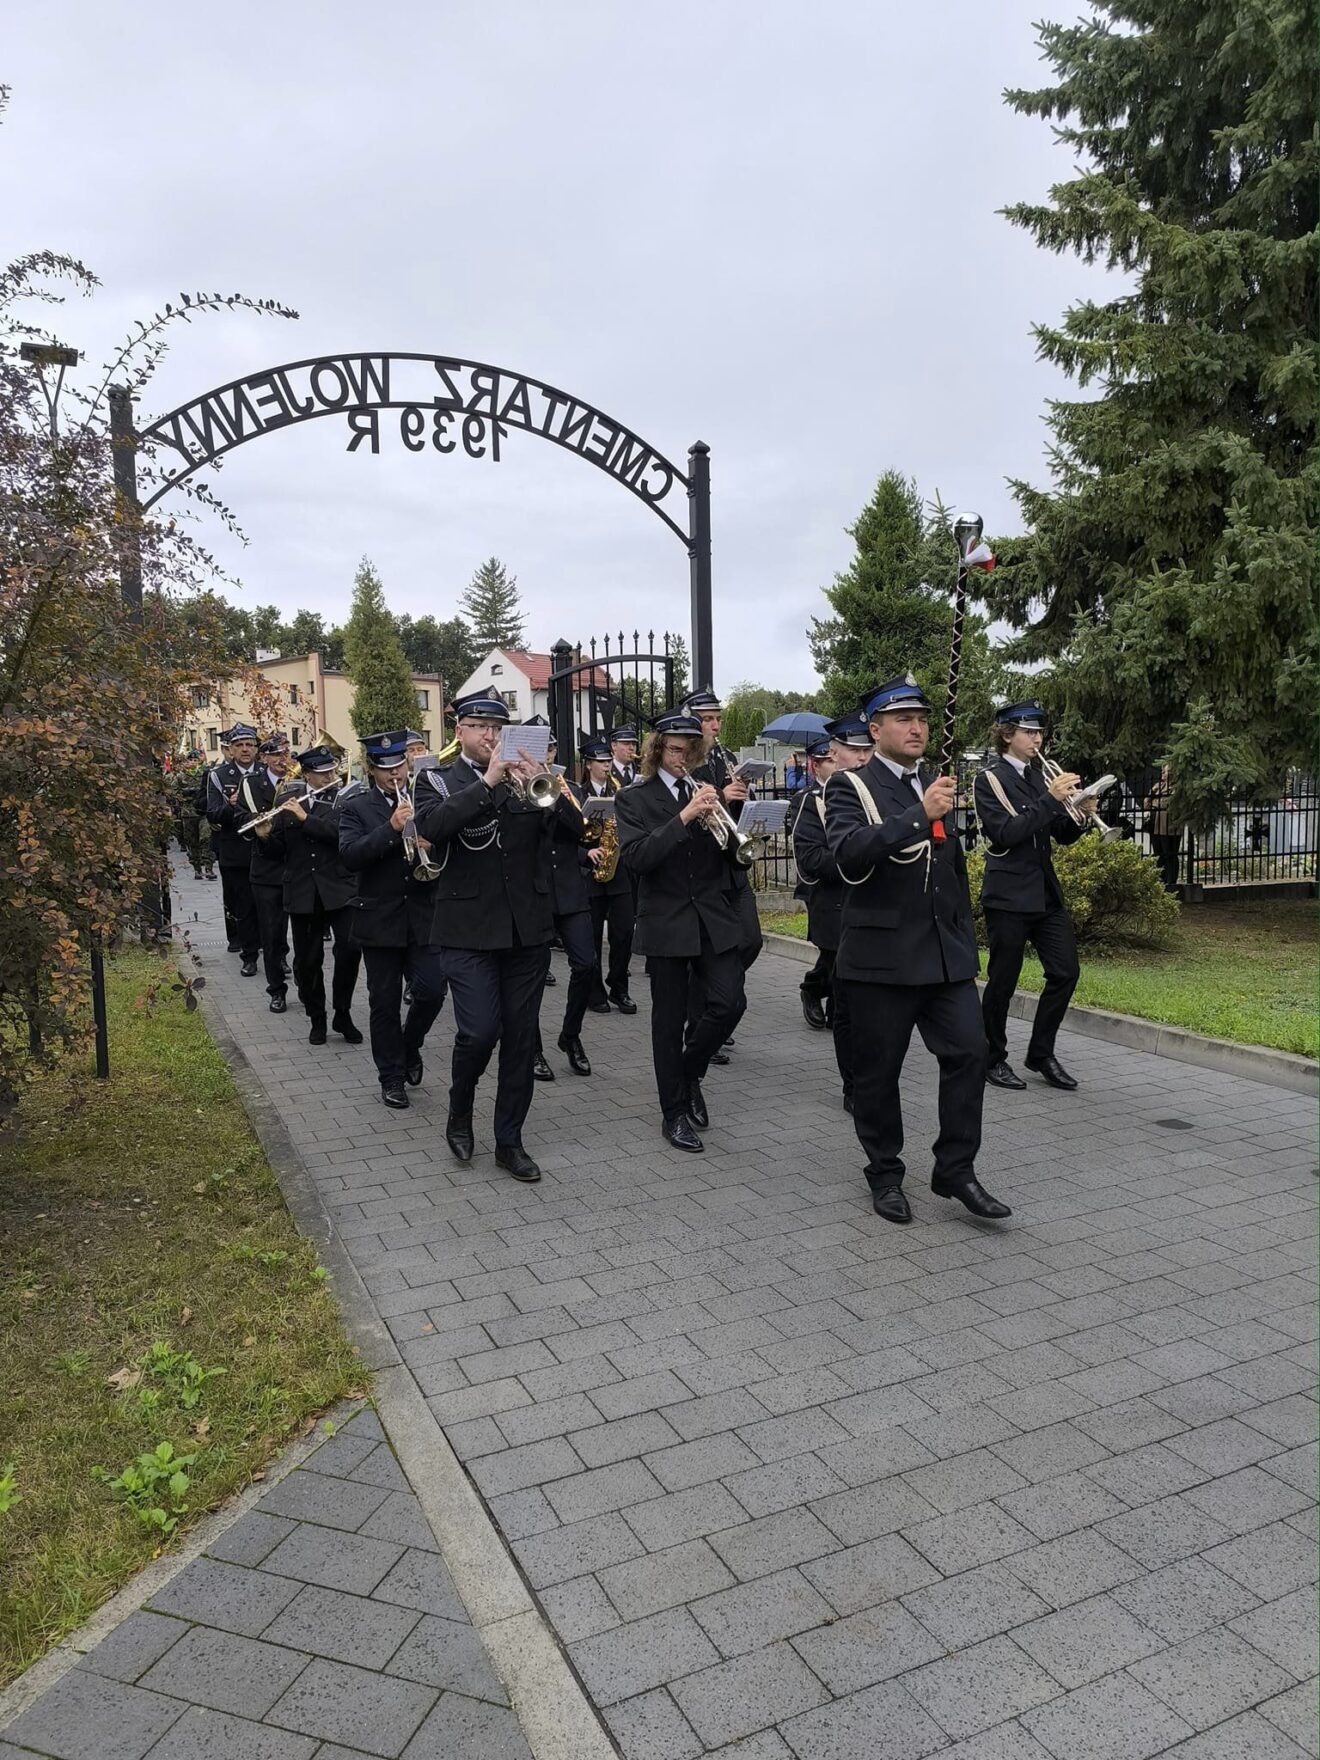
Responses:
[1251,845]
[607,683]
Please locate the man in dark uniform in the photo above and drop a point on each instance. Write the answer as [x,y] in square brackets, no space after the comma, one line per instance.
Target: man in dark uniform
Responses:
[847,748]
[232,855]
[570,868]
[623,754]
[256,795]
[717,767]
[907,952]
[688,926]
[612,900]
[392,916]
[493,923]
[1021,815]
[318,892]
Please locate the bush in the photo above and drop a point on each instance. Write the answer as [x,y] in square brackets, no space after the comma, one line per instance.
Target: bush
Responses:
[1112,891]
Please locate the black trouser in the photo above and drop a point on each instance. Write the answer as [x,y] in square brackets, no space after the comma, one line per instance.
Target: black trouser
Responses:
[818,981]
[575,933]
[841,1028]
[1051,934]
[617,910]
[240,910]
[749,950]
[719,979]
[273,928]
[308,931]
[497,999]
[1168,850]
[948,1017]
[393,1043]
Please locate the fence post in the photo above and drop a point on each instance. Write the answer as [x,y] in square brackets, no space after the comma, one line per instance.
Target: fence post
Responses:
[560,704]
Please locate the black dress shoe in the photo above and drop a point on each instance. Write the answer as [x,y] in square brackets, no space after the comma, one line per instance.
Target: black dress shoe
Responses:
[234,947]
[813,1011]
[696,1108]
[891,1203]
[458,1134]
[719,1058]
[395,1096]
[598,1007]
[730,1044]
[248,968]
[848,1103]
[343,1025]
[197,873]
[1003,1075]
[412,1068]
[1053,1072]
[514,1159]
[680,1133]
[973,1194]
[577,1057]
[317,1034]
[623,1002]
[212,876]
[278,1005]
[551,982]
[541,1070]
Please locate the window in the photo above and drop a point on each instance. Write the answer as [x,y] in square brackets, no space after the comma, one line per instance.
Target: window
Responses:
[511,698]
[212,740]
[201,697]
[423,699]
[293,695]
[295,739]
[496,670]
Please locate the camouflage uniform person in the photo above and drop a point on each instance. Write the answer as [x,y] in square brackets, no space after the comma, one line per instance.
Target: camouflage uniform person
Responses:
[194,830]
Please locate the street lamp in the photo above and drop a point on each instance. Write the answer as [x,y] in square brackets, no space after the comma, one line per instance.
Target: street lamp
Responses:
[50,354]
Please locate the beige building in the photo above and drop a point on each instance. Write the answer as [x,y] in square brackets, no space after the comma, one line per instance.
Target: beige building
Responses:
[295,695]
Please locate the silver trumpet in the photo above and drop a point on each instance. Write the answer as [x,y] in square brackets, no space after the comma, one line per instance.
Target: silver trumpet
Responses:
[724,829]
[1073,803]
[307,794]
[413,853]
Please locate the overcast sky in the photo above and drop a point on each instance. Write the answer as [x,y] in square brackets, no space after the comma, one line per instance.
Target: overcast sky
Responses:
[768,226]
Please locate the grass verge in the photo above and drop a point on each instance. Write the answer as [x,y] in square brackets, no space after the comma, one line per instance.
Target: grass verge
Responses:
[1244,971]
[137,1213]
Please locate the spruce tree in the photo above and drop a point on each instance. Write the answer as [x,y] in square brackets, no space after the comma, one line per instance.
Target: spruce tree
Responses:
[1169,580]
[493,609]
[893,613]
[383,694]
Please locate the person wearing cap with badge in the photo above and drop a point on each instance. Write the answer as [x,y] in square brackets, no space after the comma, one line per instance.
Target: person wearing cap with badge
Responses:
[1021,816]
[623,754]
[392,916]
[232,855]
[907,953]
[824,1003]
[571,862]
[318,891]
[493,923]
[688,927]
[256,795]
[613,901]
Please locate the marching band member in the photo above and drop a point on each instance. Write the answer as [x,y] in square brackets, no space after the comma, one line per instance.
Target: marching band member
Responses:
[717,767]
[1021,814]
[318,893]
[847,747]
[688,924]
[392,917]
[493,924]
[612,900]
[623,754]
[232,855]
[570,867]
[907,952]
[266,867]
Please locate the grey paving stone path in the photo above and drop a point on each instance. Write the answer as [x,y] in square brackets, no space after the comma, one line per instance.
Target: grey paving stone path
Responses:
[790,1481]
[322,1625]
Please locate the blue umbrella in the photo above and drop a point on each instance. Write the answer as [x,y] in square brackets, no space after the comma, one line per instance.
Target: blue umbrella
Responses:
[795,729]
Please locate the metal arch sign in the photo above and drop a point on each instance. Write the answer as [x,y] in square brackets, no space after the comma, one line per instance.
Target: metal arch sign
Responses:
[443,404]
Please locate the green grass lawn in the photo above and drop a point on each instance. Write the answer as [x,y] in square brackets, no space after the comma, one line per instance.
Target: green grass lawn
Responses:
[1244,971]
[141,1212]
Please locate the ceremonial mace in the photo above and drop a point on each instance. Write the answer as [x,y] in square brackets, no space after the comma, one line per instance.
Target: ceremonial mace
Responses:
[967,536]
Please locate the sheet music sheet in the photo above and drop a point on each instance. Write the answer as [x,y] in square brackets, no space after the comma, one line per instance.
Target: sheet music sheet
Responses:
[762,818]
[598,806]
[533,741]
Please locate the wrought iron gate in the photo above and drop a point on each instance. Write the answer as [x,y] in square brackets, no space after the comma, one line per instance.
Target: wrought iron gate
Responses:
[605,685]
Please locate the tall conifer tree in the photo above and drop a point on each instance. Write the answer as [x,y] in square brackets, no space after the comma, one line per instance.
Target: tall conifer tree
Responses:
[493,609]
[1170,579]
[383,693]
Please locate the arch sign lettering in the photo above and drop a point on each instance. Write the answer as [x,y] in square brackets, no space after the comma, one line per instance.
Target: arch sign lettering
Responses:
[437,405]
